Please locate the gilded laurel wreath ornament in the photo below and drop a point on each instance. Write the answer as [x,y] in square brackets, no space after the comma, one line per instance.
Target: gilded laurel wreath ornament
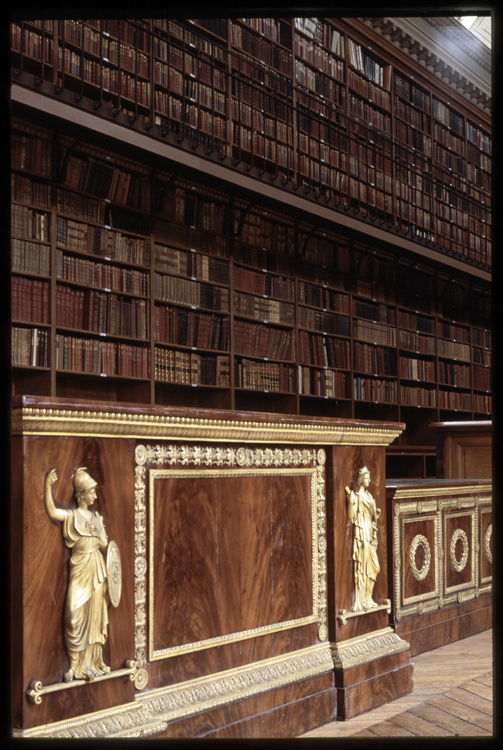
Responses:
[459,565]
[487,543]
[420,573]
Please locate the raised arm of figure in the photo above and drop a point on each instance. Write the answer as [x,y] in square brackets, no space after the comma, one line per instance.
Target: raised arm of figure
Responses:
[56,514]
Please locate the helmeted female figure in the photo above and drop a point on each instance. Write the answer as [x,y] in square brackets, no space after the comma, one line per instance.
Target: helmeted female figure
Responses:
[86,613]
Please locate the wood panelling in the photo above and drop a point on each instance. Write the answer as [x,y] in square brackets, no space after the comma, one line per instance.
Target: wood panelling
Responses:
[448,524]
[226,584]
[43,558]
[464,449]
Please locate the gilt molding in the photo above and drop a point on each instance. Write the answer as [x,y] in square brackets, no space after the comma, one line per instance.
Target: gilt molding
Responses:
[87,423]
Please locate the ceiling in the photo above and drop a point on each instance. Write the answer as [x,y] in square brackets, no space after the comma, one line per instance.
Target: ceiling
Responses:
[479,26]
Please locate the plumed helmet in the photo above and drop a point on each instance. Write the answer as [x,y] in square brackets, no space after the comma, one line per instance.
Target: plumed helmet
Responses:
[82,481]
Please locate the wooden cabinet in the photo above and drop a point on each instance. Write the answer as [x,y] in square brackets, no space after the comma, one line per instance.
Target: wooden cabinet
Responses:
[235,568]
[441,543]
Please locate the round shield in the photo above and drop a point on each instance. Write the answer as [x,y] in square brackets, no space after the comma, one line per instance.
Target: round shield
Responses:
[114,574]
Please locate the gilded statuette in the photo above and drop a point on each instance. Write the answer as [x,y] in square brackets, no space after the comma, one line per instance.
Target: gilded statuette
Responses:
[94,580]
[363,514]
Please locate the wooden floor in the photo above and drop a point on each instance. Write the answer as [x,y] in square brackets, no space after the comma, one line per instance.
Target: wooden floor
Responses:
[452,696]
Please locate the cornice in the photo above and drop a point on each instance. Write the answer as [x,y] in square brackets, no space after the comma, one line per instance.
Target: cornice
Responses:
[444,50]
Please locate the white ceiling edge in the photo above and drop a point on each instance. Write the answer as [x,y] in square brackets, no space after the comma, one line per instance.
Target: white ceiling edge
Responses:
[438,44]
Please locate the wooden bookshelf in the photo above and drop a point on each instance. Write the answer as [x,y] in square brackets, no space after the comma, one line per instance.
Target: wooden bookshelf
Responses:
[141,281]
[305,99]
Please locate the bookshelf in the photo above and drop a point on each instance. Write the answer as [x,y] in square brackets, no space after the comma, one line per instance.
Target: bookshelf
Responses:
[308,100]
[137,279]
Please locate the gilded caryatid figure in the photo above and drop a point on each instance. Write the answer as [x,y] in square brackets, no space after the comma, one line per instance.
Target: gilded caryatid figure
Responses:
[362,511]
[87,596]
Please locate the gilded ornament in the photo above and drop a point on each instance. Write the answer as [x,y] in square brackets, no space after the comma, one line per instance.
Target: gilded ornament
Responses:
[364,514]
[487,543]
[89,587]
[420,541]
[459,565]
[114,574]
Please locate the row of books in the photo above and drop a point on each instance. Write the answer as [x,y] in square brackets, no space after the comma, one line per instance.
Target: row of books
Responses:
[30,300]
[378,312]
[448,139]
[28,191]
[319,296]
[483,404]
[264,376]
[374,333]
[102,241]
[263,341]
[479,158]
[412,93]
[82,206]
[482,357]
[270,54]
[259,282]
[31,154]
[378,391]
[29,223]
[368,90]
[320,83]
[265,231]
[481,337]
[104,275]
[477,136]
[365,111]
[30,347]
[102,312]
[107,181]
[191,293]
[267,310]
[454,375]
[173,325]
[30,257]
[269,27]
[318,57]
[362,61]
[415,117]
[106,358]
[453,350]
[374,360]
[323,351]
[454,401]
[448,116]
[326,322]
[324,383]
[415,139]
[193,264]
[415,322]
[188,368]
[191,238]
[452,331]
[416,396]
[417,369]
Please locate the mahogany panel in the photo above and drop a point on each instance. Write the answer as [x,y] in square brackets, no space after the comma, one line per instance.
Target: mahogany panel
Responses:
[184,564]
[430,631]
[44,558]
[371,669]
[292,548]
[245,586]
[458,552]
[416,588]
[363,696]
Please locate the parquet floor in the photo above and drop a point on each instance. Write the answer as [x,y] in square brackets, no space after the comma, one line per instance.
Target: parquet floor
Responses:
[452,696]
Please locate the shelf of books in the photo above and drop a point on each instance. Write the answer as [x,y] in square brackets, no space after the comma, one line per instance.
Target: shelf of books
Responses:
[302,99]
[135,283]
